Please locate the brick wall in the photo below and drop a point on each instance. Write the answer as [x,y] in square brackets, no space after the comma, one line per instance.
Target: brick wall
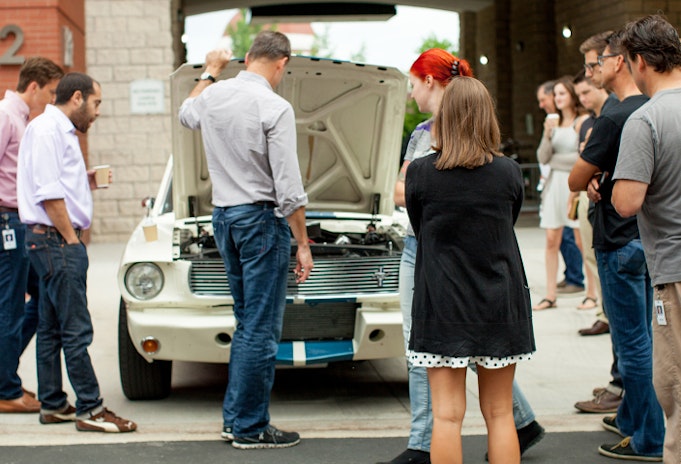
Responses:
[128,40]
[42,23]
[525,47]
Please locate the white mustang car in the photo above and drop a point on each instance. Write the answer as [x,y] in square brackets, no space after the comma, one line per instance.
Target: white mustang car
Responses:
[176,303]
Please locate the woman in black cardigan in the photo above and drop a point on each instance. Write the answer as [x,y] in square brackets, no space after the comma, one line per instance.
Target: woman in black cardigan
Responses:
[471,300]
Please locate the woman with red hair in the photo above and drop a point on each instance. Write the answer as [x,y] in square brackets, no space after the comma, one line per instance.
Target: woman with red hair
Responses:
[430,74]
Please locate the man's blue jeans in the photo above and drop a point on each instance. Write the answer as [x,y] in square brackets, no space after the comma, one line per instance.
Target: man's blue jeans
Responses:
[30,325]
[628,297]
[419,390]
[13,277]
[256,248]
[64,323]
[572,257]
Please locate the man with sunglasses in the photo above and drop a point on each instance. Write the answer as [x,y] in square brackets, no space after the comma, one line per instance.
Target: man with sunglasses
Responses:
[605,399]
[627,294]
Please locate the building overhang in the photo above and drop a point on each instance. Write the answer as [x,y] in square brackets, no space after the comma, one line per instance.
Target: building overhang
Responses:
[309,11]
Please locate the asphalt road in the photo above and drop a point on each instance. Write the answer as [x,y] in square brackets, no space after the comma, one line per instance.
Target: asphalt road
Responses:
[559,448]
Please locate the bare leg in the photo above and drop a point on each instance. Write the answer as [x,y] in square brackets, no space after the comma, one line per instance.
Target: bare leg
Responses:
[496,403]
[448,392]
[553,239]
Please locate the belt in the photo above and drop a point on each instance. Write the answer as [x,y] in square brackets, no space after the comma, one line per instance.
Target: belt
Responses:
[4,209]
[42,229]
[268,204]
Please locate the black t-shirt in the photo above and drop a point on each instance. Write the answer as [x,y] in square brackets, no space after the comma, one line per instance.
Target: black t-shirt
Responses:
[610,230]
[586,125]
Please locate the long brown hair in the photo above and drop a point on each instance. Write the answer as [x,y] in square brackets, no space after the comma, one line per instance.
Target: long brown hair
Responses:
[466,129]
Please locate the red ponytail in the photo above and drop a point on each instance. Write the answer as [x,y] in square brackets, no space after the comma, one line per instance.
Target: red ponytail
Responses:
[440,64]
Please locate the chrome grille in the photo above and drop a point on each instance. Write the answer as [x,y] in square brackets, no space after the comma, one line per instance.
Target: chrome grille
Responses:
[324,321]
[355,276]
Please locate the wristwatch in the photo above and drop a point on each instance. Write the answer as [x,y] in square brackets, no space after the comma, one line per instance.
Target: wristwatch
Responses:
[206,77]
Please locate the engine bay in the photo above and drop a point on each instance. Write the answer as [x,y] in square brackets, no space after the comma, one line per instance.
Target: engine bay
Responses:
[196,241]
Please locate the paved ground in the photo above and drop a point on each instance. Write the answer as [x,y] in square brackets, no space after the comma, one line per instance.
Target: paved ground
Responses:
[560,448]
[348,412]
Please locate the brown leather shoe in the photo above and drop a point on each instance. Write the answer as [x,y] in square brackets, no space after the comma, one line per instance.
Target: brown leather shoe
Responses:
[598,328]
[570,288]
[605,402]
[25,404]
[68,414]
[598,390]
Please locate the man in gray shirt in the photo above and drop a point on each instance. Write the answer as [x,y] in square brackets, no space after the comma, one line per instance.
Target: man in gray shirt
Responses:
[249,135]
[647,174]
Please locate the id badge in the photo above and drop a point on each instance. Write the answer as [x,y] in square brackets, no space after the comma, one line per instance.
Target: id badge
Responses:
[9,239]
[659,312]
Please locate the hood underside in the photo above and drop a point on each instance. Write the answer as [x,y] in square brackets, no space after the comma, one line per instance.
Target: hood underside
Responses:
[349,120]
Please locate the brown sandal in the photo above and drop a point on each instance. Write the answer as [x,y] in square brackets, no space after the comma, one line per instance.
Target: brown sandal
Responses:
[545,304]
[588,303]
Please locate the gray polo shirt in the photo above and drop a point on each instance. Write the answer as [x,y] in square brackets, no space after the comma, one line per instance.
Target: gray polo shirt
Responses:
[249,134]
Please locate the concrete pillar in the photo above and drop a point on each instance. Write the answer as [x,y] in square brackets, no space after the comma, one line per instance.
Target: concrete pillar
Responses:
[128,40]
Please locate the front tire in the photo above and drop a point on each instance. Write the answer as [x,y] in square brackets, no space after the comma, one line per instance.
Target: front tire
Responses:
[141,380]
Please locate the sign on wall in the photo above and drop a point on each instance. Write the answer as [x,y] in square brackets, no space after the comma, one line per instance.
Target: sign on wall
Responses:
[146,96]
[67,39]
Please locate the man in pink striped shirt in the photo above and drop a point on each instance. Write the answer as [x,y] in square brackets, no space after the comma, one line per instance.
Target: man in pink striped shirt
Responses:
[38,79]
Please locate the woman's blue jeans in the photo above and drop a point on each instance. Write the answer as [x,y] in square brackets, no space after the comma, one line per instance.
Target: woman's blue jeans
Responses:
[419,390]
[256,247]
[628,295]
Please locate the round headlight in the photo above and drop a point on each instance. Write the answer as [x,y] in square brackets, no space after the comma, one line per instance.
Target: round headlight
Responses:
[144,280]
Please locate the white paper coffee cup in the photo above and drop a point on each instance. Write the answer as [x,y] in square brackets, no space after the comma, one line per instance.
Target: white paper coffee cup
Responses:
[150,232]
[102,175]
[553,116]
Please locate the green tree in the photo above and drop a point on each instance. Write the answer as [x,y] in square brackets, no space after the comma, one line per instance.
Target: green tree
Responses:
[321,46]
[242,34]
[360,55]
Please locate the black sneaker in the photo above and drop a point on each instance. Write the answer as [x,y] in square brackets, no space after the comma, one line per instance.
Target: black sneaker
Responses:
[530,435]
[609,423]
[623,450]
[410,456]
[227,434]
[271,437]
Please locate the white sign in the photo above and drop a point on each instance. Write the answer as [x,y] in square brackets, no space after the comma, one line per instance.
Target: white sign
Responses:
[67,37]
[146,96]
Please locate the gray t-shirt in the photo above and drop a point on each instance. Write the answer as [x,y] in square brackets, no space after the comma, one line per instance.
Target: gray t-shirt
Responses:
[650,152]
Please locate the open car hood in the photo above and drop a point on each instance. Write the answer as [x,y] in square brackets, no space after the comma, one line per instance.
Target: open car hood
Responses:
[349,119]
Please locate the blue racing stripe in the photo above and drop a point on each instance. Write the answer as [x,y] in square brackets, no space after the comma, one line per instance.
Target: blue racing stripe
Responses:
[317,352]
[285,353]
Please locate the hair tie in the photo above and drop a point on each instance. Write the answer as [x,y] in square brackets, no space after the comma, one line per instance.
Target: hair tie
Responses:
[455,68]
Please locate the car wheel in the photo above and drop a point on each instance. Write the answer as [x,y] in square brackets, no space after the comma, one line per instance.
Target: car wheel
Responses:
[141,380]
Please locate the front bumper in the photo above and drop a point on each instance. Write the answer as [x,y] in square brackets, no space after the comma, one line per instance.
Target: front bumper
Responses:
[201,336]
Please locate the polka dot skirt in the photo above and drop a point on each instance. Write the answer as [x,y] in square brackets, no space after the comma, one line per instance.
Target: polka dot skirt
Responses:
[488,362]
